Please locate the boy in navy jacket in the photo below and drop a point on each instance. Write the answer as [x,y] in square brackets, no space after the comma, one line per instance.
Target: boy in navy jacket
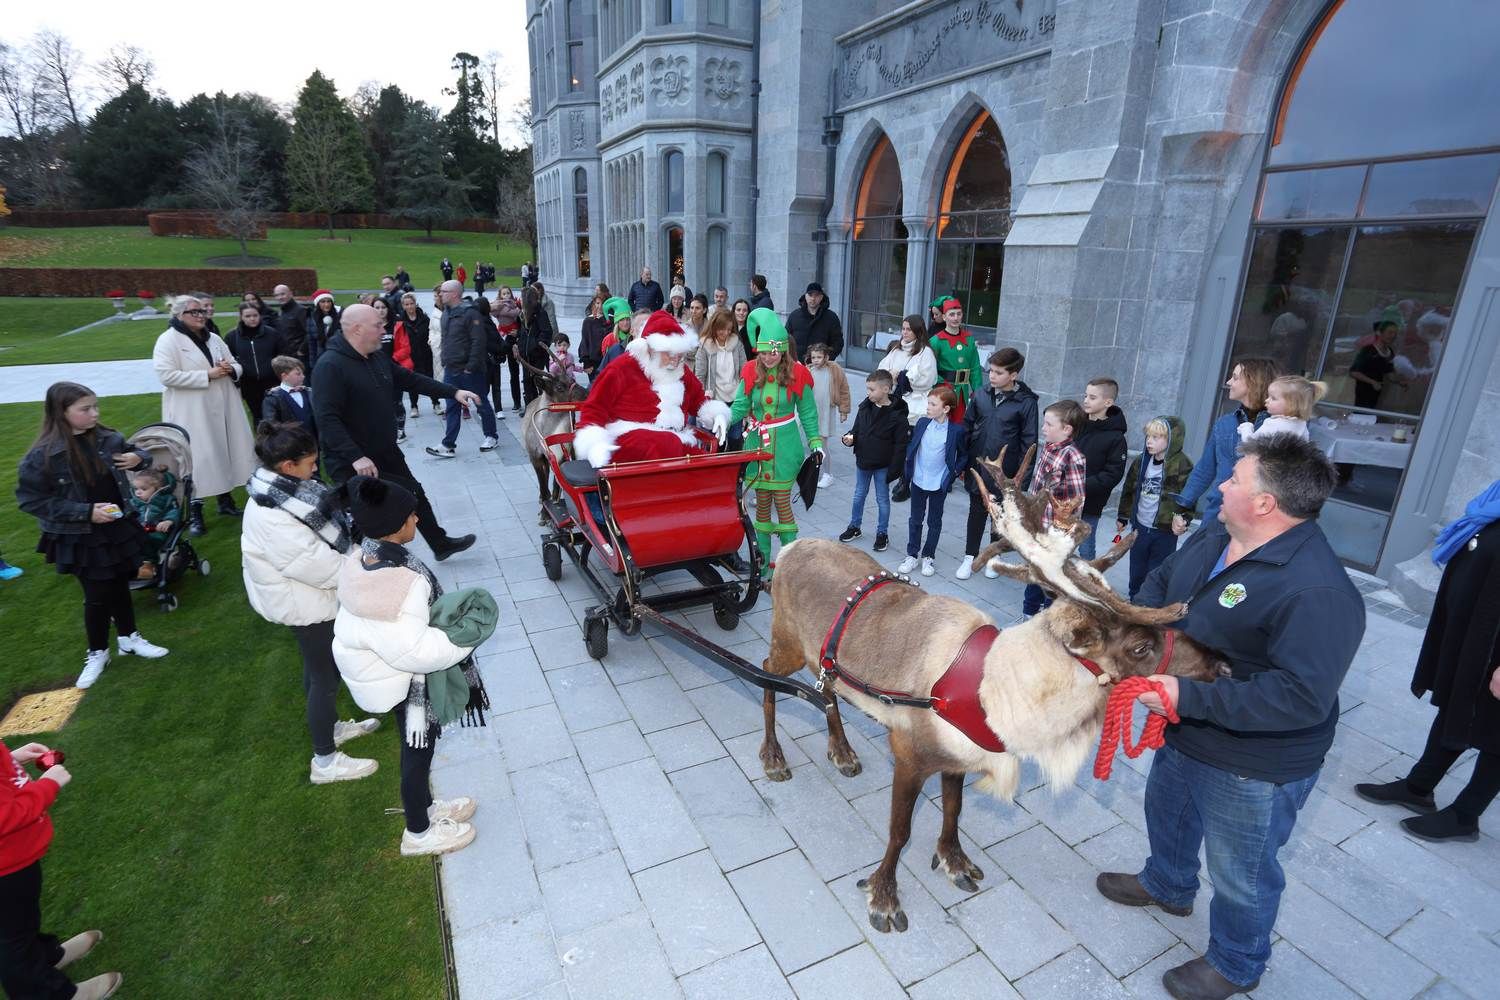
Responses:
[291,401]
[937,453]
[879,442]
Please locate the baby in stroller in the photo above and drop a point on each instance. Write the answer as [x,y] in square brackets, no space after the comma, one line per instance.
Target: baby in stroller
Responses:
[155,505]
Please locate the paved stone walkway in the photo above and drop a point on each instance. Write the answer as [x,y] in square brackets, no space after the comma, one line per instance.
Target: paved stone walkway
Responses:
[629,845]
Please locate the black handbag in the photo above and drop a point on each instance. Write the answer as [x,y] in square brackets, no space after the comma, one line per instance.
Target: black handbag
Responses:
[902,491]
[903,386]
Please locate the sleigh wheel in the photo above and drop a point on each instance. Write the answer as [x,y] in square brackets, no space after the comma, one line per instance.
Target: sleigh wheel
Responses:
[596,637]
[552,561]
[168,602]
[725,616]
[203,567]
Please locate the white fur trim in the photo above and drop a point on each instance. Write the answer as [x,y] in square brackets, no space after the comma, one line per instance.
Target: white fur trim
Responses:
[711,409]
[674,343]
[594,444]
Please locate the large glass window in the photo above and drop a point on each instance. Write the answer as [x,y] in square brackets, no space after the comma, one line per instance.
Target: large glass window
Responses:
[973,221]
[672,182]
[581,218]
[715,257]
[716,172]
[669,11]
[718,11]
[676,263]
[878,258]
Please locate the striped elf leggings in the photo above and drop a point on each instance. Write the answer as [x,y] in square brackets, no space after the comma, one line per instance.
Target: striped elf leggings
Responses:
[773,516]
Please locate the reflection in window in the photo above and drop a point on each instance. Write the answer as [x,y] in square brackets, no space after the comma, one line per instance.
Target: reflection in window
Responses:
[878,259]
[973,220]
[1450,185]
[672,182]
[1290,286]
[1332,193]
[669,11]
[575,66]
[715,257]
[718,11]
[580,200]
[1385,77]
[716,164]
[676,265]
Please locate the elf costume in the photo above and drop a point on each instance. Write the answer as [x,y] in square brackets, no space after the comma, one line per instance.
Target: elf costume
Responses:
[615,309]
[957,361]
[771,412]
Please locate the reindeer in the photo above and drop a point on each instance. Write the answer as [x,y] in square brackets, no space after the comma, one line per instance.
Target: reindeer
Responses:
[1033,689]
[538,424]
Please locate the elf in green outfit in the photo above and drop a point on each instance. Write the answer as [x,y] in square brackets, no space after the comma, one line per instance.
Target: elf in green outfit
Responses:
[775,392]
[957,357]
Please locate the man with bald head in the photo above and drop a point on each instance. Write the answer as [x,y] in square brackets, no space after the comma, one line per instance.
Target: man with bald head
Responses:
[292,322]
[353,385]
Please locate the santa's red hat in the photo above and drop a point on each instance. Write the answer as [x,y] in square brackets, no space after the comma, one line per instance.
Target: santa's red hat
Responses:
[663,333]
[951,303]
[322,293]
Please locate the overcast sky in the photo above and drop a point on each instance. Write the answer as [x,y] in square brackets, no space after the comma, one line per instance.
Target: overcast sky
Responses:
[270,46]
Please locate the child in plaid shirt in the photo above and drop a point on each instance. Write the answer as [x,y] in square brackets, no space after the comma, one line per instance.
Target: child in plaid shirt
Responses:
[1060,470]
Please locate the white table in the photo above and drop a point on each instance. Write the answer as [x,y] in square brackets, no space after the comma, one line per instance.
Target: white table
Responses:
[1368,444]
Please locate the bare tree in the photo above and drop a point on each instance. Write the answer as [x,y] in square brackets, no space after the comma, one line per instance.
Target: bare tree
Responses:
[21,93]
[491,79]
[224,175]
[57,68]
[124,67]
[320,169]
[515,197]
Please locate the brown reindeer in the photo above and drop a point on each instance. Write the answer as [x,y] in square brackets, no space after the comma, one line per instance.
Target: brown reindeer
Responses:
[1034,689]
[538,424]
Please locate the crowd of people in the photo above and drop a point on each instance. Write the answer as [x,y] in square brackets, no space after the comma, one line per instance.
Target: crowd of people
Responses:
[333,505]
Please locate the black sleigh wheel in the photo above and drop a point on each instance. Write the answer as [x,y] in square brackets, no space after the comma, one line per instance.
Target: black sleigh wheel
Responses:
[596,637]
[725,616]
[552,561]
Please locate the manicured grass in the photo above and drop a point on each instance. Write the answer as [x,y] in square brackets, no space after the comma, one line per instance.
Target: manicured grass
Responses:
[190,834]
[356,259]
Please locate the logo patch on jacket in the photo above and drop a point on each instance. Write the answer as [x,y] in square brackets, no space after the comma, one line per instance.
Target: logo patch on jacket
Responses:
[1232,595]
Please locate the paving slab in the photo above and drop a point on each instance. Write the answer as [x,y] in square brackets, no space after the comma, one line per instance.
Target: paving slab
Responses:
[1356,955]
[1012,929]
[587,893]
[856,972]
[506,958]
[685,746]
[798,918]
[698,918]
[648,820]
[730,814]
[751,973]
[562,818]
[973,978]
[618,960]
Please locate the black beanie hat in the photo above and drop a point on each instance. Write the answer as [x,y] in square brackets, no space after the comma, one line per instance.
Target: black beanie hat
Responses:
[379,508]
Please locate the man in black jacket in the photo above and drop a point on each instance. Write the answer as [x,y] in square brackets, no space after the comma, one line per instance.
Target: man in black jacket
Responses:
[466,336]
[292,321]
[760,296]
[812,322]
[1102,442]
[1002,416]
[1264,588]
[353,386]
[878,438]
[645,293]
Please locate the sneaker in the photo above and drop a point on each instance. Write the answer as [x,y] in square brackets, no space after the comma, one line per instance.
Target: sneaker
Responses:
[518,408]
[965,567]
[439,409]
[442,451]
[93,666]
[137,645]
[442,836]
[499,413]
[882,541]
[9,572]
[344,731]
[77,946]
[850,534]
[343,768]
[488,444]
[415,413]
[99,987]
[459,808]
[907,565]
[454,546]
[992,568]
[825,481]
[400,435]
[927,567]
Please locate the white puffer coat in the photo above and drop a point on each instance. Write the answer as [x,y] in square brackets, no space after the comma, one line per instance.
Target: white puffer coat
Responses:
[291,575]
[381,635]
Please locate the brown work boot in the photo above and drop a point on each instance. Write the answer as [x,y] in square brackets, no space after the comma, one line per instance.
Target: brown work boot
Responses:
[1197,980]
[1126,889]
[99,987]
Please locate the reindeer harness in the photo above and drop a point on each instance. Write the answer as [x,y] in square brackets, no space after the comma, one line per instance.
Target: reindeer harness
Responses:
[955,696]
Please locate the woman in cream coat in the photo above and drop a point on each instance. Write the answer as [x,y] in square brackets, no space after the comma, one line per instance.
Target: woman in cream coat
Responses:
[199,374]
[911,355]
[292,546]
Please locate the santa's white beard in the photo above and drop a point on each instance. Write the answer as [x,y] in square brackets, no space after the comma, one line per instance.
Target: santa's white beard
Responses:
[669,392]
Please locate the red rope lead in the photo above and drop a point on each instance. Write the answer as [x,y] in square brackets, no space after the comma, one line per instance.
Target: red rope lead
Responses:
[1117,723]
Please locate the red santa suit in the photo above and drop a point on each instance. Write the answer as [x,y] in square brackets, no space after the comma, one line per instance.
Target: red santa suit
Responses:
[637,410]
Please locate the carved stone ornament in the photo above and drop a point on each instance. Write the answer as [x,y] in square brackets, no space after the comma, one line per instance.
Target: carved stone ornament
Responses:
[670,79]
[721,81]
[637,85]
[607,103]
[622,96]
[577,134]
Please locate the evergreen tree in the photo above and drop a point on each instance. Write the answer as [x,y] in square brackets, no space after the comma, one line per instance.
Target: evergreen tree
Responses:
[470,153]
[326,168]
[420,187]
[262,124]
[131,151]
[382,119]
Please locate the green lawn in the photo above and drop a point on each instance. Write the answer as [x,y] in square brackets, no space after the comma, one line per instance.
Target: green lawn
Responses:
[190,834]
[356,259]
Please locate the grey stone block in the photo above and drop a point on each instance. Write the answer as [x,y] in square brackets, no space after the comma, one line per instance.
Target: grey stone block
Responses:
[1074,974]
[731,816]
[1350,885]
[685,746]
[1145,983]
[658,703]
[697,916]
[855,972]
[560,647]
[533,736]
[796,915]
[1443,944]
[729,708]
[648,820]
[544,613]
[751,973]
[974,978]
[506,958]
[1362,959]
[1326,817]
[876,771]
[492,878]
[1291,975]
[587,893]
[1073,816]
[822,822]
[1012,930]
[746,752]
[931,942]
[514,681]
[585,697]
[563,821]
[609,746]
[631,661]
[619,960]
[1433,880]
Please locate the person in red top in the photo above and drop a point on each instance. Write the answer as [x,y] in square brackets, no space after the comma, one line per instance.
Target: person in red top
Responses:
[462,276]
[31,962]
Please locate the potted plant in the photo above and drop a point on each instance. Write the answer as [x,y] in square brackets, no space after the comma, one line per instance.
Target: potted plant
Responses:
[148,300]
[117,299]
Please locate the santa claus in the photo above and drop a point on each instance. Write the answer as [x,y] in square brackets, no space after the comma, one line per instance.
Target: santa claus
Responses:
[637,408]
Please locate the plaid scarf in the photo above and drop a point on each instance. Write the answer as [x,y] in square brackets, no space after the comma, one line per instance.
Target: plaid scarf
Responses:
[308,500]
[420,717]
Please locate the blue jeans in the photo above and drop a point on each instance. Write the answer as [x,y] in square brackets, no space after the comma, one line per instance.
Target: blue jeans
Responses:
[1034,599]
[930,504]
[1151,548]
[862,480]
[477,383]
[1243,823]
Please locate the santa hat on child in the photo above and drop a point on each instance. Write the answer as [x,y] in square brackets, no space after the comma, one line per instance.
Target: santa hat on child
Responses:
[322,293]
[663,333]
[952,303]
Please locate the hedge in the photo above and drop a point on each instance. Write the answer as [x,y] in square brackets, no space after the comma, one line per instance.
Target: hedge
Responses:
[190,224]
[47,218]
[89,281]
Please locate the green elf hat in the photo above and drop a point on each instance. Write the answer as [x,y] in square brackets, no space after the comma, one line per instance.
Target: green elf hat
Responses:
[766,330]
[937,303]
[616,309]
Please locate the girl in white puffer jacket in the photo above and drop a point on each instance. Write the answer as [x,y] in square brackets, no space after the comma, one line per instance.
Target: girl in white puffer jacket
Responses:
[292,544]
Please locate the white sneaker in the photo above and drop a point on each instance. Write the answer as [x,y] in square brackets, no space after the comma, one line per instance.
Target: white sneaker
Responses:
[93,666]
[343,768]
[442,836]
[439,408]
[928,568]
[965,567]
[78,946]
[400,436]
[441,451]
[500,413]
[458,809]
[100,987]
[907,565]
[136,644]
[825,481]
[992,568]
[343,731]
[488,444]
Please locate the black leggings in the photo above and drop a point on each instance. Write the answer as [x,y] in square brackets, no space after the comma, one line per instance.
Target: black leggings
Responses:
[979,518]
[27,956]
[416,767]
[104,600]
[320,682]
[1483,785]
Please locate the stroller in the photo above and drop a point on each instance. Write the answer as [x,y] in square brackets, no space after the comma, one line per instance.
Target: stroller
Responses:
[170,449]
